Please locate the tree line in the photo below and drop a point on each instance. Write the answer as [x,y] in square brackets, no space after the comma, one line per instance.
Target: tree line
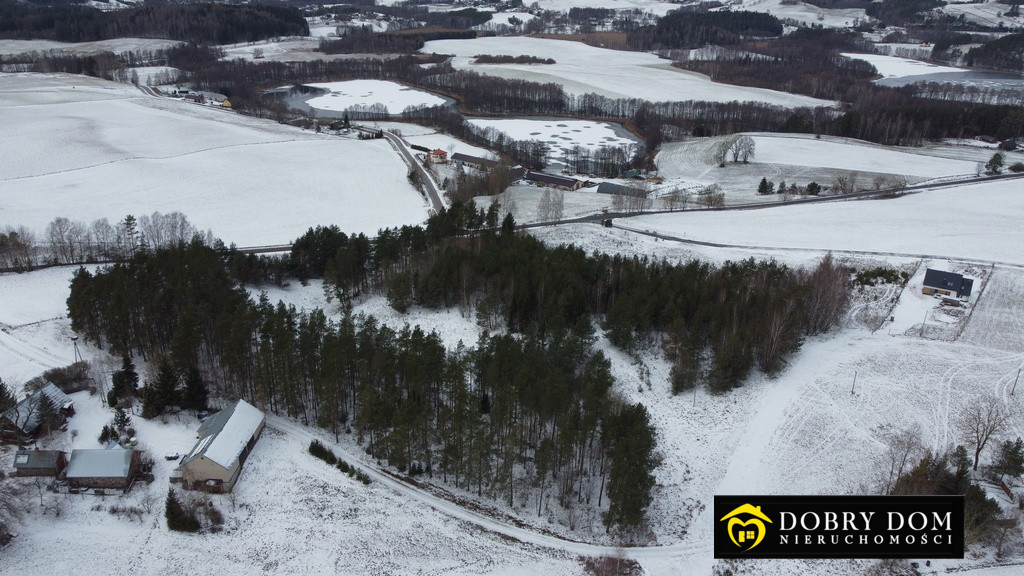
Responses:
[696,29]
[202,23]
[67,241]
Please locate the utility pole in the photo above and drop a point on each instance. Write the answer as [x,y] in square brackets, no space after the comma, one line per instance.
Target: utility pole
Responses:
[923,322]
[1015,382]
[854,387]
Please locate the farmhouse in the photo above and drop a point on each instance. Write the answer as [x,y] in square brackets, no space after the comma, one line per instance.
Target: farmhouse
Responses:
[438,156]
[946,284]
[102,468]
[29,418]
[554,181]
[39,462]
[225,441]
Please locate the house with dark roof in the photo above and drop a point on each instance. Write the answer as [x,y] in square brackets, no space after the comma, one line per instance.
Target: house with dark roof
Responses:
[225,441]
[27,419]
[110,468]
[946,284]
[39,462]
[474,161]
[554,181]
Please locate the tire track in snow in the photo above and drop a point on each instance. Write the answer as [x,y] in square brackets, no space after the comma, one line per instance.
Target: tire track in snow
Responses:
[697,546]
[30,352]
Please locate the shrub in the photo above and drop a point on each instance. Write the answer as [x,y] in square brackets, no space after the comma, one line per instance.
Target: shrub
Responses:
[1017,167]
[316,448]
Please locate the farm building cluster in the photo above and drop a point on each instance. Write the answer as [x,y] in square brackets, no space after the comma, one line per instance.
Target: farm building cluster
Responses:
[224,441]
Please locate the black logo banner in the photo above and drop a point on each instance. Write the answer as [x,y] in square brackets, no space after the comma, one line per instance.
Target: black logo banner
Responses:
[839,527]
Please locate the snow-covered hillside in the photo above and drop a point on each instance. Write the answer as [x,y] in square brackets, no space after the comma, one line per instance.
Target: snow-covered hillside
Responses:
[583,69]
[86,149]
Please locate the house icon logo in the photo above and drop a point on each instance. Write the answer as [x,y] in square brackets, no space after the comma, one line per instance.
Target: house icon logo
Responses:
[746,533]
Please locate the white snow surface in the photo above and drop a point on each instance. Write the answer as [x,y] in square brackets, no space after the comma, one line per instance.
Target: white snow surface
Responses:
[978,222]
[804,13]
[855,155]
[582,69]
[86,149]
[394,96]
[896,67]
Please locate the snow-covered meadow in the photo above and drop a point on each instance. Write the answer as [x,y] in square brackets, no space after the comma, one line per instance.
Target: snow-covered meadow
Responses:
[973,222]
[582,69]
[806,14]
[86,149]
[803,158]
[897,67]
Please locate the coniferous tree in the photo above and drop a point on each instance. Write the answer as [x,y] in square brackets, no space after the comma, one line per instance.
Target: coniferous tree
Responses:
[195,394]
[7,398]
[161,392]
[1010,459]
[48,414]
[126,380]
[178,518]
[630,437]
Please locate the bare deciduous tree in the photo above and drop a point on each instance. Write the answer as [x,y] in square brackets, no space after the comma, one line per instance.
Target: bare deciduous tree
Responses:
[742,149]
[983,418]
[904,449]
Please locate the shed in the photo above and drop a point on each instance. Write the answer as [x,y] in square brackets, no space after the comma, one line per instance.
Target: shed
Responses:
[946,284]
[39,462]
[25,419]
[225,441]
[102,468]
[554,181]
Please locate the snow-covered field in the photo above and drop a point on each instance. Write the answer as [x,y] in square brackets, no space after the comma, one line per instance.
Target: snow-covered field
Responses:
[975,222]
[855,155]
[117,46]
[87,149]
[392,95]
[896,67]
[801,159]
[583,69]
[806,14]
[988,13]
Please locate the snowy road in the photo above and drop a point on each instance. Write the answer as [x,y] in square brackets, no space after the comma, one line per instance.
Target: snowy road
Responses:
[698,547]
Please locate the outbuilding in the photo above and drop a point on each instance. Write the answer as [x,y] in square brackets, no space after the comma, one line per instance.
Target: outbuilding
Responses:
[30,418]
[113,468]
[39,462]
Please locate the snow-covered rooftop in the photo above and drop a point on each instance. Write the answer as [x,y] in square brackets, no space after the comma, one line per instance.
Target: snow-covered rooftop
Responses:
[100,463]
[26,415]
[223,435]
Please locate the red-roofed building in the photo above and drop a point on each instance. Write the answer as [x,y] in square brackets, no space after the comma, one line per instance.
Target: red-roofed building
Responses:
[438,156]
